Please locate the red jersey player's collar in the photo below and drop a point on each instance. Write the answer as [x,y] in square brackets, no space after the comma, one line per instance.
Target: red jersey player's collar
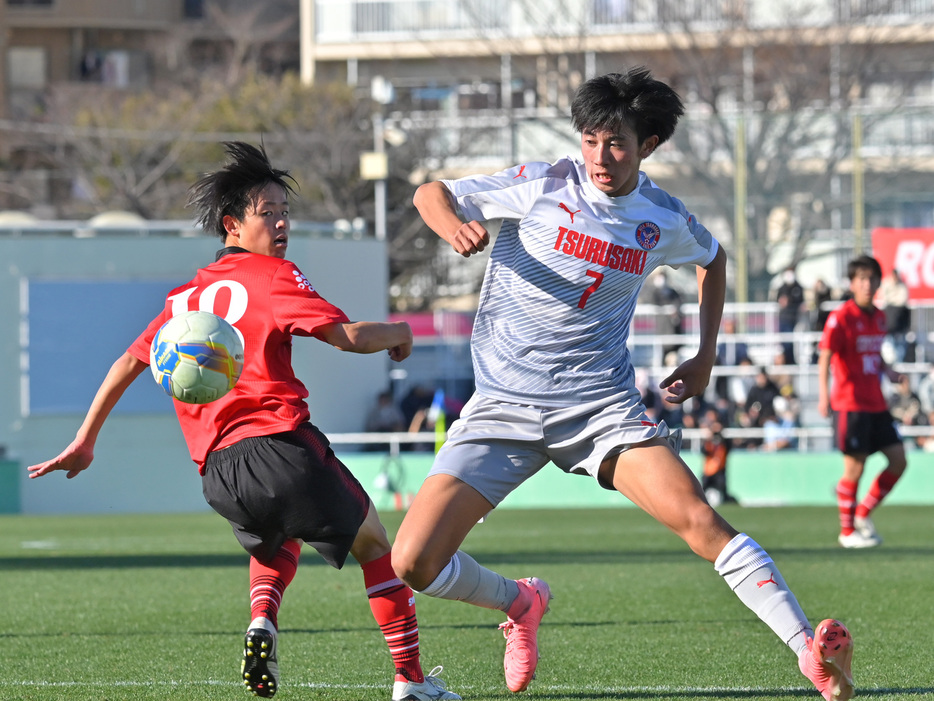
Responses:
[226,251]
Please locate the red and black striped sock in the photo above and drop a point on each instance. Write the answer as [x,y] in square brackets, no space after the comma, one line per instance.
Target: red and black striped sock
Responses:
[269,581]
[846,503]
[393,606]
[877,492]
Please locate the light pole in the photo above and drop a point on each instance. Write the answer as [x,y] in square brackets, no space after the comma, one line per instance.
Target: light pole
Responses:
[374,165]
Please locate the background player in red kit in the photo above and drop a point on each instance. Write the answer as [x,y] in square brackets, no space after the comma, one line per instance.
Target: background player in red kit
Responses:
[264,466]
[850,350]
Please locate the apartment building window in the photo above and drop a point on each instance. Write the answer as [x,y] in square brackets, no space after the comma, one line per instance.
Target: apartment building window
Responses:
[193,9]
[27,67]
[373,16]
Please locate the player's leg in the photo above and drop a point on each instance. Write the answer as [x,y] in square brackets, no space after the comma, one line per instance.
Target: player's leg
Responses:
[426,555]
[661,484]
[658,481]
[269,579]
[393,607]
[879,489]
[846,491]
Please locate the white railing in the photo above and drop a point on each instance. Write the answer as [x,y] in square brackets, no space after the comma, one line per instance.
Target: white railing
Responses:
[809,437]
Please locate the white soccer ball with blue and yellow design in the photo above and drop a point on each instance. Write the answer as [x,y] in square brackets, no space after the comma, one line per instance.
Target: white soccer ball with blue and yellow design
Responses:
[196,357]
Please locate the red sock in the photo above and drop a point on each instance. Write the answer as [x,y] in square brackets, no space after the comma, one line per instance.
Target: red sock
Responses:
[882,486]
[393,606]
[268,581]
[846,503]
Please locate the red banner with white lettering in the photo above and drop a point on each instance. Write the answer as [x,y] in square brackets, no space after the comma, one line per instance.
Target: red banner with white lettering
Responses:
[911,253]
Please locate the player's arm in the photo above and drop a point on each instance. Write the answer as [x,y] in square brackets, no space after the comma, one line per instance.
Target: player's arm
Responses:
[436,205]
[692,377]
[370,337]
[823,382]
[79,454]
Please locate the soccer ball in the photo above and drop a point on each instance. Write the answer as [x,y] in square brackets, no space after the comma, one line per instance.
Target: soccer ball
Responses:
[196,357]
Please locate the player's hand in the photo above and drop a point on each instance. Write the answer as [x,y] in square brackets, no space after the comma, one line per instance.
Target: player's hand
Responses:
[823,407]
[400,352]
[75,458]
[470,238]
[689,379]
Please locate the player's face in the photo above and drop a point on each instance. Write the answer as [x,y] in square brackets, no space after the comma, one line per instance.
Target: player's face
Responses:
[612,159]
[864,286]
[265,226]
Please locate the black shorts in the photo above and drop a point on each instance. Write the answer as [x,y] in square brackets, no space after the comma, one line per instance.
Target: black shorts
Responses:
[864,432]
[287,485]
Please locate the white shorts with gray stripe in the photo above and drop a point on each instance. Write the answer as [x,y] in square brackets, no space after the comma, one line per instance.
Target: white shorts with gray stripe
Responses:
[494,446]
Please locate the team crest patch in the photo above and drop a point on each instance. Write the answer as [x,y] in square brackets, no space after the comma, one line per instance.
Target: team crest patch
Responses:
[647,235]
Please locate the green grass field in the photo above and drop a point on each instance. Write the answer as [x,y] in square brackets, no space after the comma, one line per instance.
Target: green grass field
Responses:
[154,607]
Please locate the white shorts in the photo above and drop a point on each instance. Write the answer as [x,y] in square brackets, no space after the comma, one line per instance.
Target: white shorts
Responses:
[494,446]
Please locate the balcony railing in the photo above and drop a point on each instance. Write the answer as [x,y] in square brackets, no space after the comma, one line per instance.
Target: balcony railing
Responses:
[339,21]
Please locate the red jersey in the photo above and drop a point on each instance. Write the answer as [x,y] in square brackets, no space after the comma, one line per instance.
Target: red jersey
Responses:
[268,300]
[855,337]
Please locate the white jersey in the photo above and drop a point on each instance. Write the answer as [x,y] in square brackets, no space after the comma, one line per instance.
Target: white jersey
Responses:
[564,276]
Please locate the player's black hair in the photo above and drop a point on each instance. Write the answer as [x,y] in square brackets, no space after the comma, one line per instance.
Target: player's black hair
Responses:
[634,99]
[234,188]
[864,262]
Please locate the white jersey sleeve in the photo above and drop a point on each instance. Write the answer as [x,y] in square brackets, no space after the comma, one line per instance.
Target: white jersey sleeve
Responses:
[564,276]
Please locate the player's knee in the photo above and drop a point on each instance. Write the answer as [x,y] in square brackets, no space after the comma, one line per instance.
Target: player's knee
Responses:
[897,465]
[414,567]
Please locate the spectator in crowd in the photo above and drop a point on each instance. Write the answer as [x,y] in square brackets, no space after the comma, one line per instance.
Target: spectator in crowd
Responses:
[850,353]
[779,429]
[926,392]
[893,299]
[715,448]
[818,310]
[740,384]
[761,397]
[790,297]
[821,296]
[384,417]
[417,399]
[905,407]
[782,375]
[730,353]
[669,321]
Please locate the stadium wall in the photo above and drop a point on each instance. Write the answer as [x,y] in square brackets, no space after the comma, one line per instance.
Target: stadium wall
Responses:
[69,306]
[755,479]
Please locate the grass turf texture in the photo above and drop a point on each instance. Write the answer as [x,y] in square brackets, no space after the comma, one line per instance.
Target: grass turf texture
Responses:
[154,607]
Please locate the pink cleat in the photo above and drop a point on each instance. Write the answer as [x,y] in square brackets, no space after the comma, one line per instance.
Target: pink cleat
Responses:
[826,662]
[522,634]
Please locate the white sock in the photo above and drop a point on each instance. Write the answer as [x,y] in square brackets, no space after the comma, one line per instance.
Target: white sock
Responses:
[462,579]
[264,623]
[754,578]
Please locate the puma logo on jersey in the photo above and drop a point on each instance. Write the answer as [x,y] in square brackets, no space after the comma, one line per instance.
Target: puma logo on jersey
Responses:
[600,252]
[521,173]
[568,210]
